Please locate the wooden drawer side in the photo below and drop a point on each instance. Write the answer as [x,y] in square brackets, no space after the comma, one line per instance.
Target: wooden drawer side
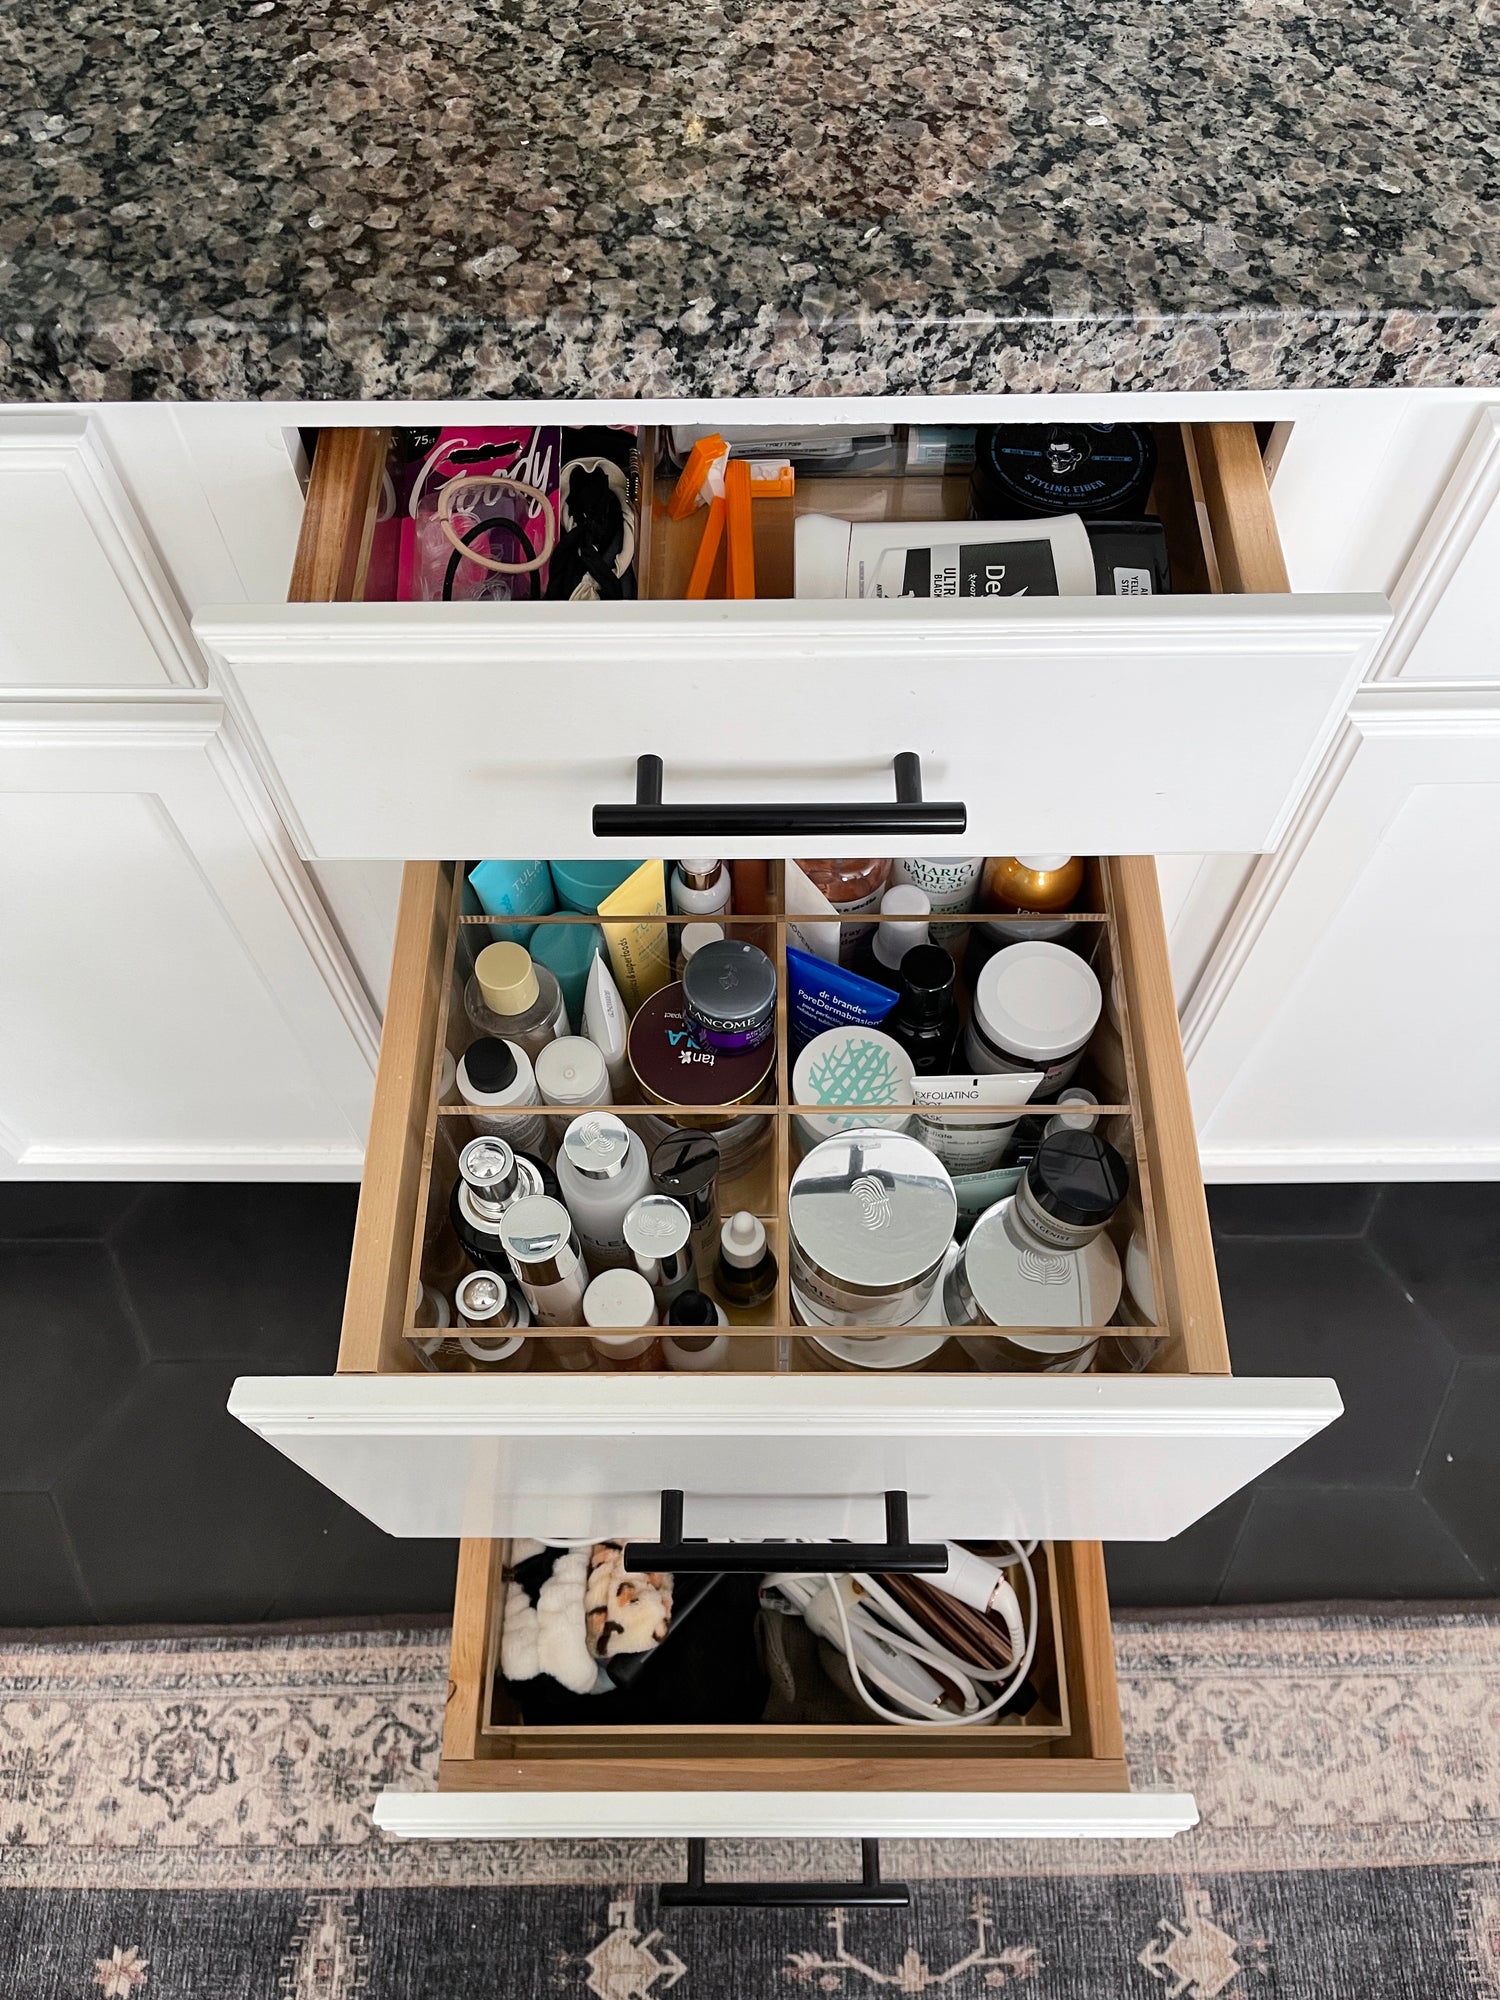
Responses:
[377,1300]
[1191,1308]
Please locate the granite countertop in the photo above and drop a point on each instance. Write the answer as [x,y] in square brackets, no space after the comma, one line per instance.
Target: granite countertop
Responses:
[409,198]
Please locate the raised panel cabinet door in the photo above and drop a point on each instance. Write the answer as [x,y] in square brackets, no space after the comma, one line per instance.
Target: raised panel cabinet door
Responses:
[84,600]
[1345,1028]
[173,1002]
[1446,624]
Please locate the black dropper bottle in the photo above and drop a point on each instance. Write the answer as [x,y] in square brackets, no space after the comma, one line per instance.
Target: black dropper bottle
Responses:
[924,1019]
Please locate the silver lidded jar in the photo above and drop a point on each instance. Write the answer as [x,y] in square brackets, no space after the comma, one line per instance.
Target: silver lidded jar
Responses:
[1040,1258]
[543,1251]
[871,1214]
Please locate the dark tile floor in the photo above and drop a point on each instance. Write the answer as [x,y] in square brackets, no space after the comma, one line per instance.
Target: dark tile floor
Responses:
[1395,1292]
[128,1495]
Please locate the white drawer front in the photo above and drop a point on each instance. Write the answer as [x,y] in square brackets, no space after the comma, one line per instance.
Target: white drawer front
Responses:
[785,1815]
[1080,725]
[1096,1457]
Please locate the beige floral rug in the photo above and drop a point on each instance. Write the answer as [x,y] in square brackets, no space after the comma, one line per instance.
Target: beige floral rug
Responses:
[191,1817]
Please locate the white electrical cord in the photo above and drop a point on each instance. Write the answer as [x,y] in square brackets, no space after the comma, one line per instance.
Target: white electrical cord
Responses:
[929,1652]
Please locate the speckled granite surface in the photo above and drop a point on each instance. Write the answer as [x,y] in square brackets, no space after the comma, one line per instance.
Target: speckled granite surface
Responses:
[494,197]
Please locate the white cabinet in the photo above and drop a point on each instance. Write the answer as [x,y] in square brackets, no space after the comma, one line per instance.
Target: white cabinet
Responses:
[84,600]
[1345,1027]
[174,1002]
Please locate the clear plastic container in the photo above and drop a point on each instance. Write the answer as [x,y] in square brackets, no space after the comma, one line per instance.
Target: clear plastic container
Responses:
[603,1171]
[854,888]
[511,997]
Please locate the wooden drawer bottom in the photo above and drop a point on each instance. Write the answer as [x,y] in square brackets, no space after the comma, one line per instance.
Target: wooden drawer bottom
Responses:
[1060,1773]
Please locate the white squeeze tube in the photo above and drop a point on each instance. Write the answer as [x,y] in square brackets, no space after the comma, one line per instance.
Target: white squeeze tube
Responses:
[981,561]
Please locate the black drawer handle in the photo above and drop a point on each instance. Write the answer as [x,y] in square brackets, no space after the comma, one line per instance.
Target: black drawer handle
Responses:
[909,813]
[898,1554]
[869,1893]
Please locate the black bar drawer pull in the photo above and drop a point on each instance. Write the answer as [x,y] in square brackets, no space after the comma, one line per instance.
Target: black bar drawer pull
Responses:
[869,1893]
[898,1554]
[907,813]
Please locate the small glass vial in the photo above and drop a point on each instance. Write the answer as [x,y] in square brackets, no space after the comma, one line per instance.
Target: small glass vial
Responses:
[516,1000]
[542,1250]
[701,889]
[1039,1258]
[686,1165]
[745,1275]
[925,1019]
[904,910]
[492,1311]
[492,1176]
[659,1236]
[695,1309]
[493,1073]
[602,1171]
[854,888]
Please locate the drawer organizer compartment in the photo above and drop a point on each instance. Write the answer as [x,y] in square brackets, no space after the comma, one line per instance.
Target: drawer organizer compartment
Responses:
[763,1140]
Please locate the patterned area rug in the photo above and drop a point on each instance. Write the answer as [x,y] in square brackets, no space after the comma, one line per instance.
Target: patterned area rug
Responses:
[190,1820]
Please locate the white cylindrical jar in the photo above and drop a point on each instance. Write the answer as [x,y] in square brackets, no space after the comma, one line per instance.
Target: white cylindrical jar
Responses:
[569,1072]
[603,1171]
[1035,1006]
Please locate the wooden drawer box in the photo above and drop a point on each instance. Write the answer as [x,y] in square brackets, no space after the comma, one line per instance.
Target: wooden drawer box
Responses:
[768,1448]
[1060,1773]
[1187,722]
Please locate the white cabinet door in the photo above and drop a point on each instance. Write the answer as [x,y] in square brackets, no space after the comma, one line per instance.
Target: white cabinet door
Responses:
[1346,1026]
[1128,1457]
[86,602]
[174,1003]
[1446,624]
[1086,725]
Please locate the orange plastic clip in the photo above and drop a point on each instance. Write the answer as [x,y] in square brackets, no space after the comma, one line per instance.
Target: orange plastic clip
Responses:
[741,582]
[691,489]
[771,478]
[708,550]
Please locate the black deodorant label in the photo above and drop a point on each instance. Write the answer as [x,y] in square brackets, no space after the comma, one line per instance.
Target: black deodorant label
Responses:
[981,569]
